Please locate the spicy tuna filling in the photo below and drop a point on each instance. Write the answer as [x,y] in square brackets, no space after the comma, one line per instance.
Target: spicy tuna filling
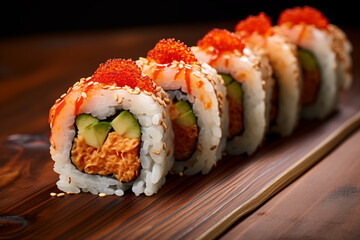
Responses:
[108,148]
[234,97]
[185,129]
[311,76]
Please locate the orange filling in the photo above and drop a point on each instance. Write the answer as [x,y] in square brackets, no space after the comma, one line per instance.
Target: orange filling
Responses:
[185,141]
[118,156]
[186,138]
[235,118]
[274,102]
[311,83]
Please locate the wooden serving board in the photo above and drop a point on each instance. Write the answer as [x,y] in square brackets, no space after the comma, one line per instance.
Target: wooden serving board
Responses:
[188,207]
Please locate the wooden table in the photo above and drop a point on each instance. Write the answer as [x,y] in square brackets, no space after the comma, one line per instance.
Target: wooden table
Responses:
[269,195]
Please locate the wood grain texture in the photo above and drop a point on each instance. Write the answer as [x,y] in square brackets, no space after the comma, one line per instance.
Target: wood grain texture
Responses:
[37,70]
[324,203]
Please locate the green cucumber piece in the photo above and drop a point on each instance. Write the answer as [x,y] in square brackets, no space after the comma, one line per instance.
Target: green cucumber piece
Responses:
[227,78]
[182,107]
[95,134]
[126,125]
[234,91]
[307,60]
[187,119]
[84,120]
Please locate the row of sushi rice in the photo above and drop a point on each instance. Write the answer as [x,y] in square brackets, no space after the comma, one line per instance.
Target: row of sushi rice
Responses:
[180,108]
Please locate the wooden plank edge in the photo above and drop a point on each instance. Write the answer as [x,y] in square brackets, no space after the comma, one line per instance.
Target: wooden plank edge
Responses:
[295,171]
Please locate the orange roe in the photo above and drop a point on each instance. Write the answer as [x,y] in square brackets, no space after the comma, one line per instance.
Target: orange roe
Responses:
[260,24]
[123,73]
[221,40]
[166,51]
[304,15]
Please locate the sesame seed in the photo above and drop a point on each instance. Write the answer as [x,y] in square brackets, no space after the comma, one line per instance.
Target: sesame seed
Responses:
[188,66]
[70,193]
[213,147]
[69,179]
[146,93]
[158,88]
[164,126]
[160,101]
[168,153]
[172,66]
[88,78]
[163,114]
[102,194]
[53,144]
[116,97]
[226,56]
[197,74]
[153,97]
[181,174]
[164,145]
[129,90]
[120,100]
[181,66]
[90,83]
[60,194]
[155,152]
[214,165]
[53,194]
[163,95]
[167,101]
[84,95]
[62,96]
[199,148]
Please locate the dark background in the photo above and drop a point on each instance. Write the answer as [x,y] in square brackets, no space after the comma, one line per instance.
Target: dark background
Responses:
[25,18]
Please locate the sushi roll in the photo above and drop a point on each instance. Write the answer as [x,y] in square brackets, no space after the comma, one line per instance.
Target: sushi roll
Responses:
[111,132]
[197,104]
[247,77]
[285,105]
[324,55]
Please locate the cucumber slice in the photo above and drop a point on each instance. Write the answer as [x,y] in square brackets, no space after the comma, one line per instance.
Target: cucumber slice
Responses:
[126,125]
[308,60]
[234,91]
[227,78]
[95,134]
[84,120]
[187,119]
[182,107]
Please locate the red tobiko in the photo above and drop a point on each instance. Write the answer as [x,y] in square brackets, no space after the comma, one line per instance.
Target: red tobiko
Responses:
[305,15]
[123,73]
[221,40]
[166,51]
[260,24]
